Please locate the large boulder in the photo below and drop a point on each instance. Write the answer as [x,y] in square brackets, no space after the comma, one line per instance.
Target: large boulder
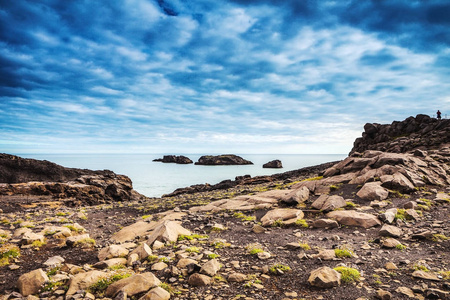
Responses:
[285,215]
[168,231]
[133,285]
[225,159]
[354,218]
[296,196]
[324,277]
[373,191]
[327,203]
[84,280]
[30,283]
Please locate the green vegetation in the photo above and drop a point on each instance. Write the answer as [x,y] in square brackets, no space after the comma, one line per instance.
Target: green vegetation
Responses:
[51,286]
[73,228]
[101,285]
[343,252]
[192,249]
[349,204]
[304,246]
[38,244]
[397,194]
[278,223]
[401,214]
[152,258]
[302,223]
[87,242]
[279,268]
[117,267]
[61,214]
[191,237]
[254,248]
[168,288]
[419,267]
[334,187]
[7,252]
[213,256]
[445,274]
[348,274]
[400,247]
[53,271]
[220,244]
[439,237]
[146,216]
[244,217]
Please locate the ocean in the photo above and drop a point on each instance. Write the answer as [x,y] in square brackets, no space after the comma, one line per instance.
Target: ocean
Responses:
[153,179]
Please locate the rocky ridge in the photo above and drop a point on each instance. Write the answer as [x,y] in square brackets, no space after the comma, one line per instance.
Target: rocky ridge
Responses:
[43,180]
[420,132]
[373,226]
[177,159]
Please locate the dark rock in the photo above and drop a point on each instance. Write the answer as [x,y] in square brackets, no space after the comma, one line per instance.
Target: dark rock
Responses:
[420,132]
[274,164]
[225,159]
[32,177]
[181,159]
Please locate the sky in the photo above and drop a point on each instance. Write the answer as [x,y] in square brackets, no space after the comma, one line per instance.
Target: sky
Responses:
[207,76]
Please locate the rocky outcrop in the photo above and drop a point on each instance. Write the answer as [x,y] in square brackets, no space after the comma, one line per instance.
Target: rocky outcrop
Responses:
[30,177]
[420,132]
[181,159]
[274,164]
[224,159]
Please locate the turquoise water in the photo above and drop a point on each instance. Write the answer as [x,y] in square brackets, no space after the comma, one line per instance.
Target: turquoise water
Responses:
[154,179]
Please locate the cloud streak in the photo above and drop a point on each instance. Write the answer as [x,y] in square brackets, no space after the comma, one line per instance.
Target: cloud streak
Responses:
[203,76]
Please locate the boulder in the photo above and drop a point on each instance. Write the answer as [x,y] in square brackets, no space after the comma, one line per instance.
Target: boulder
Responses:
[211,267]
[389,230]
[353,218]
[112,251]
[129,233]
[237,277]
[425,275]
[286,215]
[296,196]
[388,216]
[73,240]
[397,182]
[143,251]
[168,231]
[29,238]
[325,255]
[325,223]
[110,263]
[274,164]
[82,281]
[197,279]
[327,203]
[157,293]
[390,243]
[133,285]
[54,261]
[30,283]
[373,191]
[225,159]
[324,277]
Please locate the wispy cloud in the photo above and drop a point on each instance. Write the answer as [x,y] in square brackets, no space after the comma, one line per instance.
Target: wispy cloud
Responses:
[200,76]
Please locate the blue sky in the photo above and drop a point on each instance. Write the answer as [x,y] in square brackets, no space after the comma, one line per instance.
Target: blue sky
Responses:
[204,76]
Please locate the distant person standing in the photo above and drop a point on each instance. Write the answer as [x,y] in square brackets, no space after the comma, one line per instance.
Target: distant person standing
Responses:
[438,114]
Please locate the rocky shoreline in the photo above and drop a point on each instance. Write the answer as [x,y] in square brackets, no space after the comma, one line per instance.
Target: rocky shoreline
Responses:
[373,226]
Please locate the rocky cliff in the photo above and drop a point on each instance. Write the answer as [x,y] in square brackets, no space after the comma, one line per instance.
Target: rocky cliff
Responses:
[420,132]
[30,177]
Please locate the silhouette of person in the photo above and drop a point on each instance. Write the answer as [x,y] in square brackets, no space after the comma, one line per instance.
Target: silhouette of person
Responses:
[438,114]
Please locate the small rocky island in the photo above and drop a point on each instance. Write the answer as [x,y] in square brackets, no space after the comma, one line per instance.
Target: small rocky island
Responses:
[274,164]
[222,160]
[180,159]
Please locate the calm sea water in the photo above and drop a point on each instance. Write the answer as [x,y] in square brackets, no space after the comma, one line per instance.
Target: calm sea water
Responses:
[154,179]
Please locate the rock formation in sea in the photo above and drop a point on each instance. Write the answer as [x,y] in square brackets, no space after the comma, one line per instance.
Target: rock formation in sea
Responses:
[274,164]
[224,159]
[177,159]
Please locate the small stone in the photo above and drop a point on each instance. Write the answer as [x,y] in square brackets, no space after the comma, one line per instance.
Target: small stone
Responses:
[384,295]
[211,267]
[31,282]
[264,255]
[258,229]
[405,291]
[237,277]
[159,266]
[390,266]
[389,230]
[390,243]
